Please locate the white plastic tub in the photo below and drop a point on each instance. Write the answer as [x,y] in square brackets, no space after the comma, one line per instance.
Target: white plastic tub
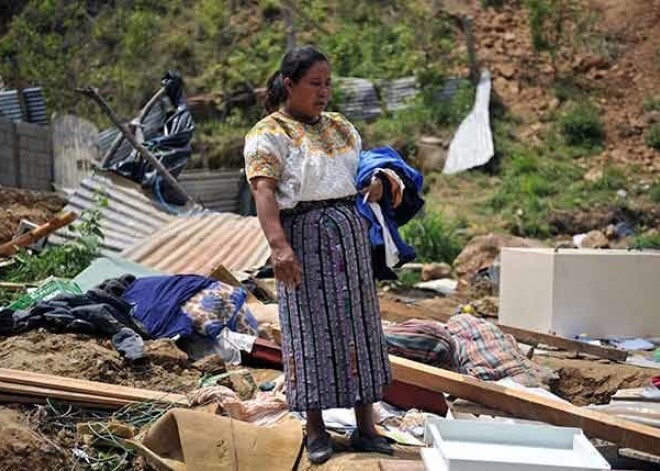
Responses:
[471,445]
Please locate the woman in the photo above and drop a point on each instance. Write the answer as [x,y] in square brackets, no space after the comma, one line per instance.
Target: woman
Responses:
[302,163]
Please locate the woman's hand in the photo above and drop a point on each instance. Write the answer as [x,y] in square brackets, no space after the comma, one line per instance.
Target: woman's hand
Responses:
[375,190]
[286,265]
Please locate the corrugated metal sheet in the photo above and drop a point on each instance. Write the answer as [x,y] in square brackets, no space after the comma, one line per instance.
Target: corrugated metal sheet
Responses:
[143,232]
[35,105]
[10,105]
[129,217]
[451,87]
[200,243]
[217,190]
[397,94]
[359,100]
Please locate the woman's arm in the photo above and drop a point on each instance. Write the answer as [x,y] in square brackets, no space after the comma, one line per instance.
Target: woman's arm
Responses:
[286,265]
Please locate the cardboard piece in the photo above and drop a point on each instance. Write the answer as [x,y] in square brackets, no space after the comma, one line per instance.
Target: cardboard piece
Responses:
[185,440]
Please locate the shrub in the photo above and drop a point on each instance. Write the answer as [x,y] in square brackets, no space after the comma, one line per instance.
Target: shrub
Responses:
[654,192]
[652,104]
[647,241]
[581,126]
[434,238]
[493,3]
[653,137]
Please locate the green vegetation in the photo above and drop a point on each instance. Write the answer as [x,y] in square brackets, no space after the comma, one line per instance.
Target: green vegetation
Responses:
[653,137]
[427,114]
[581,126]
[124,46]
[64,261]
[537,181]
[654,192]
[652,104]
[434,238]
[647,241]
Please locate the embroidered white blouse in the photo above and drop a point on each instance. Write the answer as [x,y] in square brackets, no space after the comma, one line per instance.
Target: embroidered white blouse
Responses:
[311,162]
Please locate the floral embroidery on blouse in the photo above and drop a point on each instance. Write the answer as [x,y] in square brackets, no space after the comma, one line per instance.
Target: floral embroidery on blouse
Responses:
[310,162]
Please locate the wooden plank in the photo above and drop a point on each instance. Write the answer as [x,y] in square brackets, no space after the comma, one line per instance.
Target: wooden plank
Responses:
[534,338]
[88,387]
[528,405]
[633,394]
[10,248]
[23,399]
[58,394]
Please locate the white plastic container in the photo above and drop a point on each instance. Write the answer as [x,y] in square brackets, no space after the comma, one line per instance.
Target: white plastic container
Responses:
[472,445]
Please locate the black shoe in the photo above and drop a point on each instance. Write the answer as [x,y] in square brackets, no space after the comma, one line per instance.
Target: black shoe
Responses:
[320,450]
[378,444]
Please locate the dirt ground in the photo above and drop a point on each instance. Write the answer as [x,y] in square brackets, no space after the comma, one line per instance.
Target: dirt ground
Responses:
[585,382]
[37,207]
[618,61]
[21,447]
[84,357]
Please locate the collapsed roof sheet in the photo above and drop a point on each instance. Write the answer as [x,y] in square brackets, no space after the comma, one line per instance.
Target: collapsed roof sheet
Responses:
[200,243]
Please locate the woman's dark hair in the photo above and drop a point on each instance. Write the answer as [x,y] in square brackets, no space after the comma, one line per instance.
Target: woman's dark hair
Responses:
[294,65]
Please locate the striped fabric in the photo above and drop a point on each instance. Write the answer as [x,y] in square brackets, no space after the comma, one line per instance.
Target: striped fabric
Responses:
[424,341]
[332,340]
[487,353]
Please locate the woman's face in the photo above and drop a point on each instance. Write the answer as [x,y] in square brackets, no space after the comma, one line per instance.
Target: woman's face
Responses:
[311,94]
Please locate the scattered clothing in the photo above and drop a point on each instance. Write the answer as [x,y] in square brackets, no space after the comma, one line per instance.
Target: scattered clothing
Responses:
[333,347]
[486,353]
[158,300]
[468,345]
[100,311]
[397,209]
[218,306]
[265,409]
[423,341]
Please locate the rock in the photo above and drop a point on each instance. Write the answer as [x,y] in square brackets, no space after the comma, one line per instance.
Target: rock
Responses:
[508,71]
[627,129]
[594,175]
[431,153]
[623,243]
[436,271]
[610,232]
[482,251]
[211,365]
[652,117]
[595,240]
[164,352]
[487,306]
[241,382]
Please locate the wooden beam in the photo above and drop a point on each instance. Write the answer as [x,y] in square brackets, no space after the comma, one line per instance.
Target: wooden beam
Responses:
[93,93]
[25,399]
[60,395]
[112,391]
[528,405]
[10,248]
[534,338]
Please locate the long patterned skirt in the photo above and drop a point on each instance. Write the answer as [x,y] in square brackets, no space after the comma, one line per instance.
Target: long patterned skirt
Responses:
[333,345]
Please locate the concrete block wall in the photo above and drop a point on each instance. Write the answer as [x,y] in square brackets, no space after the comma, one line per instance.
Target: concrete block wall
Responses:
[26,155]
[8,170]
